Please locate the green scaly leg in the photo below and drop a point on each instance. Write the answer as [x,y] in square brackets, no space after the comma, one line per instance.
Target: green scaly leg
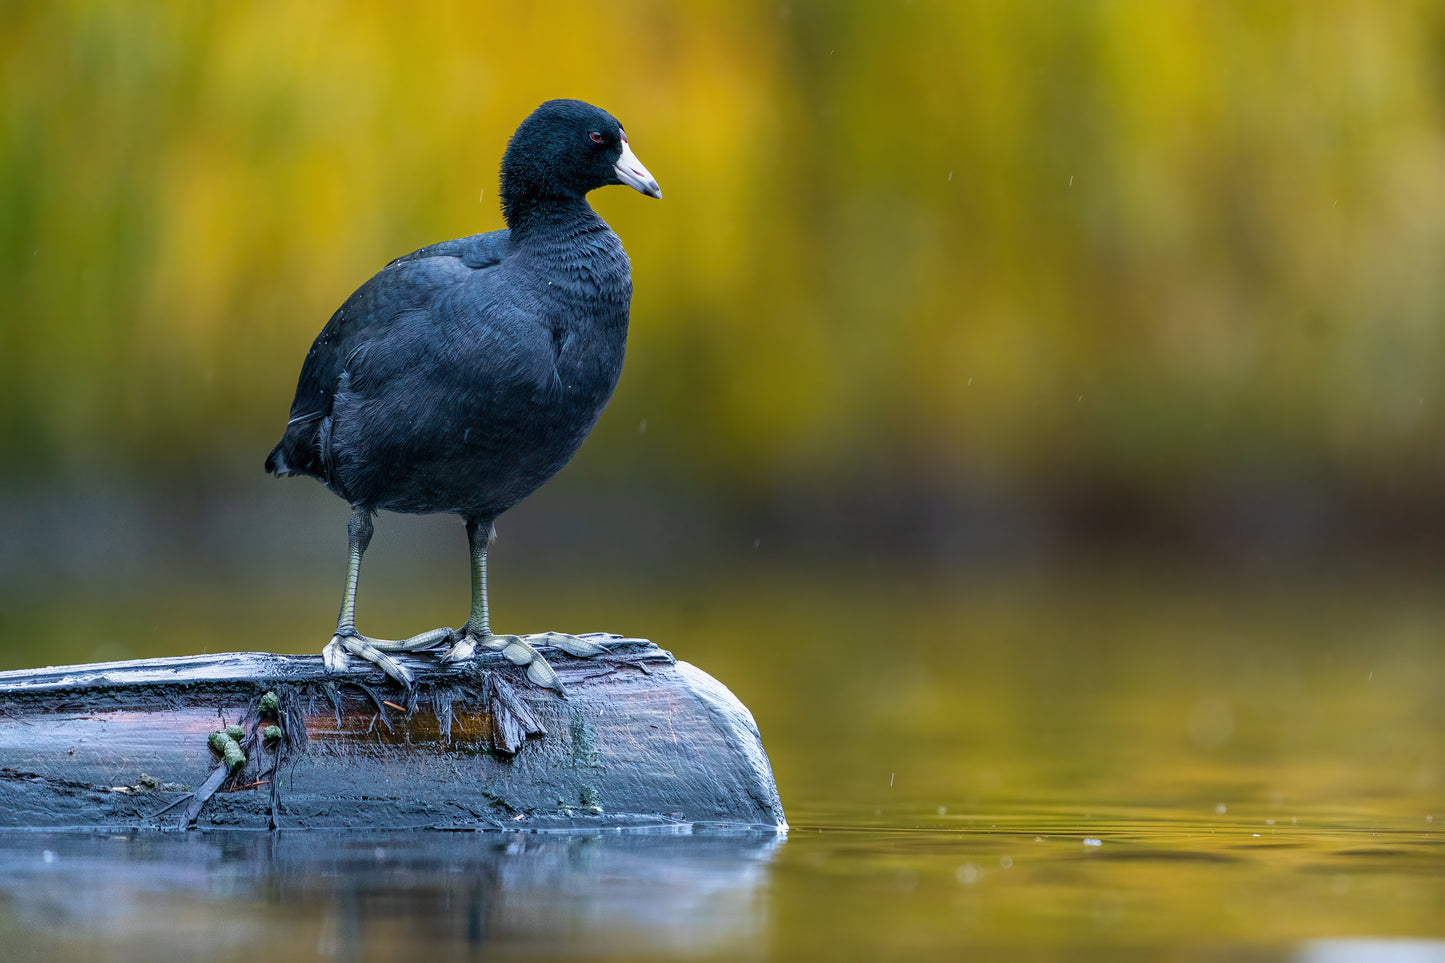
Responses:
[518,649]
[347,639]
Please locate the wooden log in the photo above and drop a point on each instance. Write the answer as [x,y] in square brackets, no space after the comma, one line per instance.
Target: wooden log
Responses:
[638,739]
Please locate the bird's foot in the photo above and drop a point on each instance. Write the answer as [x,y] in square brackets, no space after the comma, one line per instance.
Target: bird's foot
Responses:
[337,652]
[573,645]
[431,639]
[519,650]
[335,655]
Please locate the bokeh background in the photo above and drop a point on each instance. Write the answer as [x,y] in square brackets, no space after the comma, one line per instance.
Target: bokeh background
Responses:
[1030,407]
[949,282]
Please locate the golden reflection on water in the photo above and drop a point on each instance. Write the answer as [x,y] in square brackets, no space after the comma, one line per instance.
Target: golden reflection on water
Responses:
[1118,763]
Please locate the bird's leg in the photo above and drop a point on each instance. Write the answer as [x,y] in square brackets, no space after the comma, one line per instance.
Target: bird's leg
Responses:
[347,639]
[479,539]
[516,648]
[476,629]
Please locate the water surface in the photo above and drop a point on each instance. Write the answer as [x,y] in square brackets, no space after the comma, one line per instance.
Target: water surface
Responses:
[1126,765]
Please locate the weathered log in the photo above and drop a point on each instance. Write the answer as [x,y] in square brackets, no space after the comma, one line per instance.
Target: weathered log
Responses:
[638,739]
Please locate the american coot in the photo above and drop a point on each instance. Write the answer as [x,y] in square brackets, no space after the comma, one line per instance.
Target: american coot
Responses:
[464,375]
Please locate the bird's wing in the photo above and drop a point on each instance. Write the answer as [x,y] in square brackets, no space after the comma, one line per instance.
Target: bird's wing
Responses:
[404,287]
[477,251]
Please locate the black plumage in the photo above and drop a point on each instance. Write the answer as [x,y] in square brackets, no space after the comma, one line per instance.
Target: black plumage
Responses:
[464,375]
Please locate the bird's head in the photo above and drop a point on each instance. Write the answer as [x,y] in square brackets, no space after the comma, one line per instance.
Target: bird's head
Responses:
[566,148]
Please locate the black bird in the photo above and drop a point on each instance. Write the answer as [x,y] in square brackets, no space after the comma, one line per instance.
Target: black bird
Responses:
[464,375]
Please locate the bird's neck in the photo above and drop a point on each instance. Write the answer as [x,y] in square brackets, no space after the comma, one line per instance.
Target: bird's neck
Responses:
[542,216]
[573,250]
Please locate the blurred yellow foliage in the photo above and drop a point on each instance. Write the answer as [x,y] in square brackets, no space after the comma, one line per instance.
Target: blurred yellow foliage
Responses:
[1038,237]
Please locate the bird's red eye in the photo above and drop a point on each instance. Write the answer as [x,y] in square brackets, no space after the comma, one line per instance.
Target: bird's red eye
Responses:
[596,137]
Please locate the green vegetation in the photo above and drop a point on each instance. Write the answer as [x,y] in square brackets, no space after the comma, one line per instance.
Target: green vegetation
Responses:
[224,744]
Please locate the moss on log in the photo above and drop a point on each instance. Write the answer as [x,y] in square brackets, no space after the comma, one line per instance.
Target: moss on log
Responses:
[639,739]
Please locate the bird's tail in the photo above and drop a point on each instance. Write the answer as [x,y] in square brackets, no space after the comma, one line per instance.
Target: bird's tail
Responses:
[276,463]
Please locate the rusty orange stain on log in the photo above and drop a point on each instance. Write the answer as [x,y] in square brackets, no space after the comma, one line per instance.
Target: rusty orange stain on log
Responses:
[467,729]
